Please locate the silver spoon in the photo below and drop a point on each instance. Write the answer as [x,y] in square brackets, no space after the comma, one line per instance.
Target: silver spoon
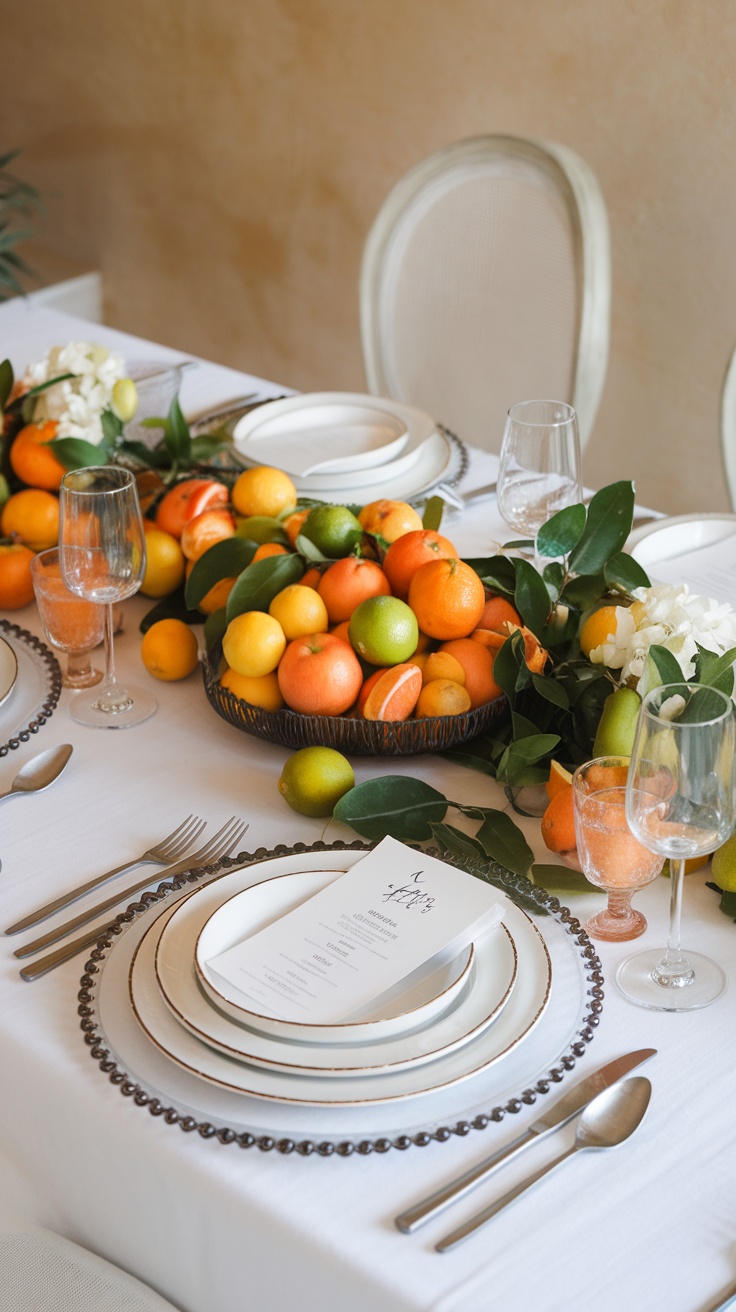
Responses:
[607,1121]
[40,771]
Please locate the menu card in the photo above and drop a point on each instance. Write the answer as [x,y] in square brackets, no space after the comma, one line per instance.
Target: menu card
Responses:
[708,572]
[350,943]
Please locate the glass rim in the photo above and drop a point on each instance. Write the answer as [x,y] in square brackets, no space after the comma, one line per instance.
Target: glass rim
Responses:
[671,689]
[612,757]
[127,480]
[514,413]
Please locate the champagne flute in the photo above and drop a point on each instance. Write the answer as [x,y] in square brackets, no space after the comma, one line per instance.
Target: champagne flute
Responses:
[540,465]
[102,556]
[612,857]
[679,803]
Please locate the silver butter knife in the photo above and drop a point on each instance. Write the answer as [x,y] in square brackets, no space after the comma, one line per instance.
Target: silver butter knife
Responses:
[557,1115]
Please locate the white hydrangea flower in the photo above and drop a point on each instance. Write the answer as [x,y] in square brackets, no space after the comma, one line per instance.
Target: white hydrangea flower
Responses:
[665,615]
[77,403]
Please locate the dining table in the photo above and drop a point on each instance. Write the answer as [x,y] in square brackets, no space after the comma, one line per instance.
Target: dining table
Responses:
[223,1200]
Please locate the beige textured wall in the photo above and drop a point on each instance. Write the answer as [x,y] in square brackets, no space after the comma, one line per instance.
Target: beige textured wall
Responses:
[221,161]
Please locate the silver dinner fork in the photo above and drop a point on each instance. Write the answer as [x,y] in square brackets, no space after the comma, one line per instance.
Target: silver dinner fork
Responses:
[223,843]
[169,849]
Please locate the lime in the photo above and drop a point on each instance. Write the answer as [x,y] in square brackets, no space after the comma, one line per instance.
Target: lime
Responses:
[384,631]
[314,779]
[334,530]
[260,529]
[124,399]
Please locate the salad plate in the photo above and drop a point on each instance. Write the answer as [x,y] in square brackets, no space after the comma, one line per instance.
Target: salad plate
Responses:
[8,670]
[666,539]
[416,1000]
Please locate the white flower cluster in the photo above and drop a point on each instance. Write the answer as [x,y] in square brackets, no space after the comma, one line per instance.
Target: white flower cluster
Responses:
[666,616]
[76,404]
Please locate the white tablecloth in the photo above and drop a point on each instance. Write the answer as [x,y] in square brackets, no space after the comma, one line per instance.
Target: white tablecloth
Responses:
[220,1229]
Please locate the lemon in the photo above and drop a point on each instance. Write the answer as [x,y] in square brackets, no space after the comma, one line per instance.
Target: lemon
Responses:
[300,611]
[124,399]
[314,779]
[384,631]
[263,691]
[263,491]
[598,627]
[165,564]
[334,530]
[169,650]
[253,644]
[724,865]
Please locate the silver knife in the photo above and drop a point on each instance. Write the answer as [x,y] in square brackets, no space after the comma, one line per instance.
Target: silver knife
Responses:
[556,1116]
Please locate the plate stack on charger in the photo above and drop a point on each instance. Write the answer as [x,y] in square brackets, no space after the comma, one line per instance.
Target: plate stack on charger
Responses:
[346,446]
[435,1030]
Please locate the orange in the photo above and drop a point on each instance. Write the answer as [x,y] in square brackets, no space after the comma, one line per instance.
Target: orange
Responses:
[164,564]
[263,491]
[16,584]
[169,650]
[202,532]
[311,577]
[599,627]
[447,598]
[477,662]
[348,582]
[32,517]
[390,694]
[217,596]
[263,691]
[299,611]
[442,697]
[186,500]
[32,461]
[253,643]
[407,553]
[558,823]
[342,631]
[320,675]
[292,525]
[442,665]
[496,611]
[267,549]
[389,519]
[559,778]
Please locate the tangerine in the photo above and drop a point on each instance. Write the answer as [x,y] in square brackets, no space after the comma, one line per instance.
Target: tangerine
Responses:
[442,665]
[348,582]
[477,662]
[203,531]
[263,691]
[186,500]
[495,613]
[32,461]
[389,519]
[267,549]
[447,598]
[292,525]
[558,822]
[319,675]
[599,627]
[407,553]
[32,517]
[263,490]
[16,583]
[442,697]
[169,650]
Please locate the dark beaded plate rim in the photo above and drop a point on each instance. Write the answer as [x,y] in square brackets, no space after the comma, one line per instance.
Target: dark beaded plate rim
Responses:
[52,677]
[516,886]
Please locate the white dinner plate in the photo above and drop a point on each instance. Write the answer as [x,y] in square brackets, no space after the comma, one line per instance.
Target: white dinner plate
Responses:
[415,1001]
[330,432]
[525,1008]
[429,465]
[488,989]
[8,670]
[665,539]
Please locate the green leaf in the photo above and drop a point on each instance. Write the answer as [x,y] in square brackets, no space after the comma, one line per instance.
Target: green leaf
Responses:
[455,843]
[176,435]
[705,704]
[728,900]
[562,532]
[393,804]
[561,879]
[503,841]
[718,671]
[6,382]
[259,583]
[471,762]
[309,551]
[214,628]
[622,571]
[554,577]
[112,427]
[224,560]
[497,572]
[551,690]
[666,666]
[610,516]
[206,446]
[531,597]
[582,592]
[433,511]
[509,666]
[519,764]
[75,453]
[173,607]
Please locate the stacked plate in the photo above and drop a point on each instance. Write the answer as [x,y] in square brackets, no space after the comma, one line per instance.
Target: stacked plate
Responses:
[436,1029]
[346,446]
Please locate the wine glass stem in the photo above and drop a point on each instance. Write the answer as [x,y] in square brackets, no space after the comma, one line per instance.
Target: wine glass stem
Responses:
[673,969]
[110,679]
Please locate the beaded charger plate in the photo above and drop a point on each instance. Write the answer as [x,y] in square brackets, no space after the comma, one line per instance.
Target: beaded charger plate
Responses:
[36,689]
[146,1075]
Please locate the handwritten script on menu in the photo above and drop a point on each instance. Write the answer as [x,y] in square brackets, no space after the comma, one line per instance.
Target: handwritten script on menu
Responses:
[342,949]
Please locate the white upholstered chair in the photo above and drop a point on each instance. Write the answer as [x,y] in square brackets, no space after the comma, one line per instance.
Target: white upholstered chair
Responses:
[485,281]
[728,428]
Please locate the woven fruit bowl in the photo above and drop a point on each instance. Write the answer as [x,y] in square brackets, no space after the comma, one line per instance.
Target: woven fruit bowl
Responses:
[344,732]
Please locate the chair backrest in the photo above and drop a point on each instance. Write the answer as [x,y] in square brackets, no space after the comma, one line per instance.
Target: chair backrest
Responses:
[485,281]
[728,428]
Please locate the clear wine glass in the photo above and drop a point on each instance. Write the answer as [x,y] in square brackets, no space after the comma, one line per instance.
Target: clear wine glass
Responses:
[611,856]
[540,465]
[679,803]
[102,556]
[70,624]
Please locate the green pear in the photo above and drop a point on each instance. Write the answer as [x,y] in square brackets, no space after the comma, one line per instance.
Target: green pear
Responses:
[617,725]
[724,865]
